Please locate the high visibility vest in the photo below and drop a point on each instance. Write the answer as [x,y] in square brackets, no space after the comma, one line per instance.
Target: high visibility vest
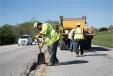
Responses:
[49,34]
[78,33]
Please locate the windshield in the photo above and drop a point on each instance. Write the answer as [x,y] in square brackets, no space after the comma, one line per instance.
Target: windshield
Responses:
[24,37]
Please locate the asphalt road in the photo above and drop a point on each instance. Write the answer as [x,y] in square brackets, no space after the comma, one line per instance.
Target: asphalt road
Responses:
[97,62]
[14,58]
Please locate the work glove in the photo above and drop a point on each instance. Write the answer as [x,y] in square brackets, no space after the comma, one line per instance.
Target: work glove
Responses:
[36,36]
[41,45]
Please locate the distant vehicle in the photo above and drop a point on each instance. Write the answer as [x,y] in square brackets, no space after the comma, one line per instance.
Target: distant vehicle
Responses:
[25,40]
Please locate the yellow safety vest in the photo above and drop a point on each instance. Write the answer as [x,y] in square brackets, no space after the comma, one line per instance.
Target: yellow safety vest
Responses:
[49,34]
[78,33]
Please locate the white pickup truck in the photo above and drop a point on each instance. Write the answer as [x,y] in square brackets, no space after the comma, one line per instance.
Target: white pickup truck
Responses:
[25,40]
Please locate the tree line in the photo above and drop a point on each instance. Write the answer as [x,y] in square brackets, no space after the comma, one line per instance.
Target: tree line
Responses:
[104,29]
[9,34]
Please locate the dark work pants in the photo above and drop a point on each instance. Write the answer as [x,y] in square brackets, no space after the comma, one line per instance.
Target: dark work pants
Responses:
[53,51]
[80,44]
[89,43]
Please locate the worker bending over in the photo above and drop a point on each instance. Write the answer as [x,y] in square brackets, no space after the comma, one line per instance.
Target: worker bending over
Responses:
[51,39]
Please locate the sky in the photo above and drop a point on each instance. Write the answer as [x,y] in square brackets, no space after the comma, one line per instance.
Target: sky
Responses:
[99,13]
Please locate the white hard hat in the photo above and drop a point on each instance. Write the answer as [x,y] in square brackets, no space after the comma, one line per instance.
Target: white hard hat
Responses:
[35,25]
[78,24]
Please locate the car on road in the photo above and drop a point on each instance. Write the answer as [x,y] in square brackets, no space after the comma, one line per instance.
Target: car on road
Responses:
[25,40]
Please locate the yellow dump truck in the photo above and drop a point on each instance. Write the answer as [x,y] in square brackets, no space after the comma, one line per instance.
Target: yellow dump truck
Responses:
[66,24]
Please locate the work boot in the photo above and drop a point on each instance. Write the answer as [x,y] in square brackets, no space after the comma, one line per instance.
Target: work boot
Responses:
[81,53]
[50,64]
[71,51]
[56,62]
[77,54]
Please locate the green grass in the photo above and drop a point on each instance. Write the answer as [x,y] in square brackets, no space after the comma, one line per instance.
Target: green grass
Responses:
[103,39]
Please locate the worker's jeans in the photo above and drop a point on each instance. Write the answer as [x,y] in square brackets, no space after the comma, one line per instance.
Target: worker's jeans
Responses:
[53,51]
[72,45]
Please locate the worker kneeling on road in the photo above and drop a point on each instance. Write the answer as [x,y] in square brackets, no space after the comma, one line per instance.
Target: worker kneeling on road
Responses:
[50,38]
[79,37]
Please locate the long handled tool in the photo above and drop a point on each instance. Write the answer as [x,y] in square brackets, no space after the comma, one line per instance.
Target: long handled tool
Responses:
[41,57]
[41,60]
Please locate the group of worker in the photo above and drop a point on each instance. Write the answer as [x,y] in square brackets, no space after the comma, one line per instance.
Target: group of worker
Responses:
[51,39]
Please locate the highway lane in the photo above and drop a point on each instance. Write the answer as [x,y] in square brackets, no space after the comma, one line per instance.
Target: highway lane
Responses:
[97,62]
[14,58]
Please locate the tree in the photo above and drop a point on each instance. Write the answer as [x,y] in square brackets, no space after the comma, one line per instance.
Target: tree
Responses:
[55,24]
[7,35]
[103,29]
[26,28]
[111,27]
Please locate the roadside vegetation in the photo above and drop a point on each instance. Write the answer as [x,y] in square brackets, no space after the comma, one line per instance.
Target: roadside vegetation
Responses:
[104,38]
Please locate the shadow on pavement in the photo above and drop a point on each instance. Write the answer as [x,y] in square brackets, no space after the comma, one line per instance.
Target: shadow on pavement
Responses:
[100,49]
[73,62]
[96,55]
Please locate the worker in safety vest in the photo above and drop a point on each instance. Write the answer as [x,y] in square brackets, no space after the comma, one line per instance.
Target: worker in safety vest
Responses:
[51,39]
[78,37]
